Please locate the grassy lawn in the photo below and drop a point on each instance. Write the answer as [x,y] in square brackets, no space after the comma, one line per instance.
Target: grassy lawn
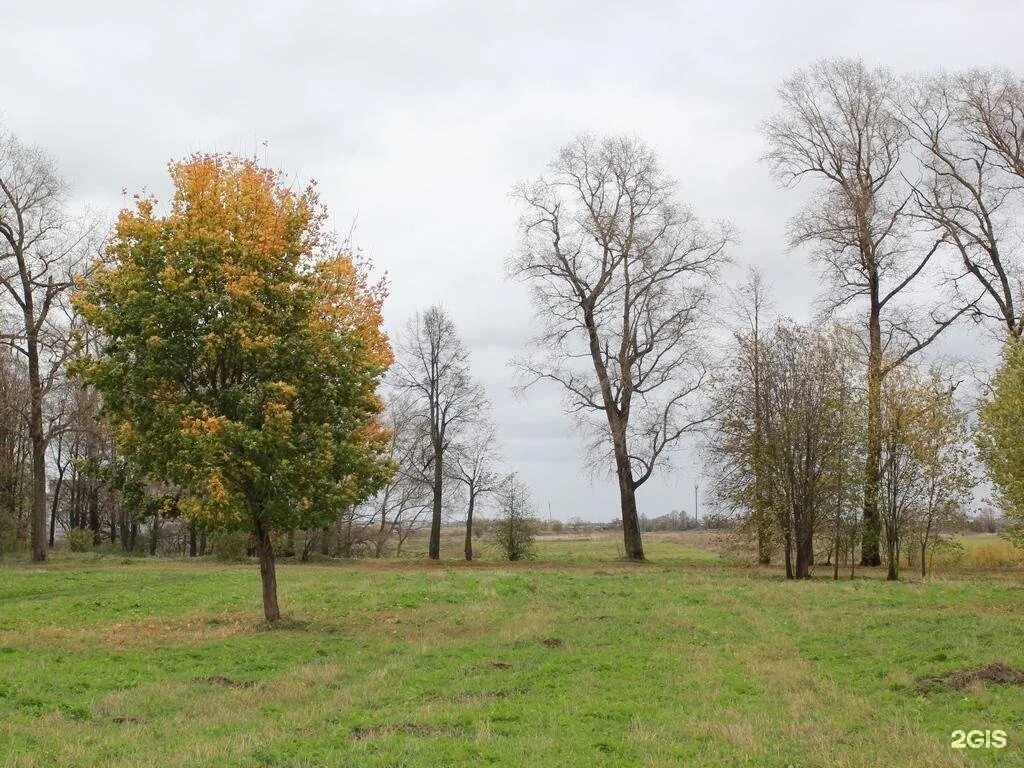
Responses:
[574,661]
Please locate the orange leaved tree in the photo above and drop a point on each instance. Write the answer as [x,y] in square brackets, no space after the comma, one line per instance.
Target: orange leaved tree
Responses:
[242,353]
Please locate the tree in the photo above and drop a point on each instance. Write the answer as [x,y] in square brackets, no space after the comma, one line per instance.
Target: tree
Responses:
[970,189]
[15,452]
[473,465]
[838,124]
[241,352]
[804,419]
[1001,423]
[620,274]
[784,456]
[514,528]
[40,246]
[925,470]
[432,369]
[397,508]
[739,407]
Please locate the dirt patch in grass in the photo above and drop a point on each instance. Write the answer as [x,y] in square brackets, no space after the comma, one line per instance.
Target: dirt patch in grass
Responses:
[996,672]
[500,665]
[553,642]
[179,630]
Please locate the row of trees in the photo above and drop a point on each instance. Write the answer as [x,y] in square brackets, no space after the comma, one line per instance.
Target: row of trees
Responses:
[789,441]
[230,365]
[221,363]
[912,221]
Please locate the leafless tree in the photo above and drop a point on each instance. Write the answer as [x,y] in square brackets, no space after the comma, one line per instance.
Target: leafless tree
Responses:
[620,275]
[969,130]
[432,370]
[39,249]
[399,507]
[839,125]
[473,464]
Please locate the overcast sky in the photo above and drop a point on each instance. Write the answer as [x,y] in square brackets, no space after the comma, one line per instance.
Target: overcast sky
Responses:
[417,117]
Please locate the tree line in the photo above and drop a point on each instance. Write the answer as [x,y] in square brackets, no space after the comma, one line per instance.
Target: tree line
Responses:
[221,360]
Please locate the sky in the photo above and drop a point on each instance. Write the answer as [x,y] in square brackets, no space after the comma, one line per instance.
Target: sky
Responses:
[416,119]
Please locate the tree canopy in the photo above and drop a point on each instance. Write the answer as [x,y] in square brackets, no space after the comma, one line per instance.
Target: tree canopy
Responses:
[241,351]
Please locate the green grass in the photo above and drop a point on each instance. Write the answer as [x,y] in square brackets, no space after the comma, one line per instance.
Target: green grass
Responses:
[686,661]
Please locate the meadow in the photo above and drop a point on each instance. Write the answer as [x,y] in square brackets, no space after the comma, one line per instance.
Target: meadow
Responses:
[575,659]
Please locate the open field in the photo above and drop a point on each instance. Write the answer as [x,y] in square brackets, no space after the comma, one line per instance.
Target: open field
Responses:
[574,660]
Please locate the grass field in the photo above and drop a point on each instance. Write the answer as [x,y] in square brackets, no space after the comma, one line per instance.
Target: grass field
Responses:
[574,660]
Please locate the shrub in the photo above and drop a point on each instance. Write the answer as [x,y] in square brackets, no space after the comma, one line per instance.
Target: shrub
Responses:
[80,540]
[231,546]
[514,529]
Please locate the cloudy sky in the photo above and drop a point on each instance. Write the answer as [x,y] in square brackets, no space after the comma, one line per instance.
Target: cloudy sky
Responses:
[417,117]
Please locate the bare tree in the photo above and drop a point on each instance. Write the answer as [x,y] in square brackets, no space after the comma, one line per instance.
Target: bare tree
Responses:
[969,130]
[620,276]
[400,504]
[39,243]
[473,464]
[838,124]
[432,369]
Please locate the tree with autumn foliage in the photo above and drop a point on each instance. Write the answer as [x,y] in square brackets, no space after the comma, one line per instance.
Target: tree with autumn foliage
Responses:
[241,354]
[1001,424]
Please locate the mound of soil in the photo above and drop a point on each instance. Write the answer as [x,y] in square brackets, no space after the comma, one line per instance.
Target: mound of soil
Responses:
[996,672]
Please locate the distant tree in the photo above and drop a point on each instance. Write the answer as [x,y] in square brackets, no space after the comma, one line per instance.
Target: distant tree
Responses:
[839,125]
[925,465]
[40,253]
[398,508]
[620,273]
[473,464]
[1001,424]
[738,405]
[432,370]
[513,530]
[241,353]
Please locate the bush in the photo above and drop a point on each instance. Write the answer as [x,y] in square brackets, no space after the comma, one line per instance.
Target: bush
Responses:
[514,530]
[80,540]
[231,546]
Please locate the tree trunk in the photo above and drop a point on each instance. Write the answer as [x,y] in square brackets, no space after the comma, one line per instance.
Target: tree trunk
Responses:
[435,520]
[869,548]
[804,547]
[268,574]
[192,542]
[627,497]
[39,537]
[94,513]
[764,546]
[469,525]
[202,544]
[789,553]
[893,574]
[154,534]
